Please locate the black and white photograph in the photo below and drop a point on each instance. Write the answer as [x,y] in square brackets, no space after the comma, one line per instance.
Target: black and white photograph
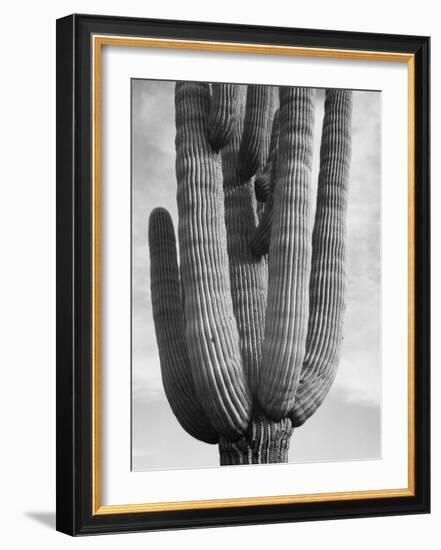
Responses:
[217,309]
[242,274]
[256,274]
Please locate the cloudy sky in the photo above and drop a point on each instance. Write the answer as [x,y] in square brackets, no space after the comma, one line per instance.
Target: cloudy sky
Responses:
[347,425]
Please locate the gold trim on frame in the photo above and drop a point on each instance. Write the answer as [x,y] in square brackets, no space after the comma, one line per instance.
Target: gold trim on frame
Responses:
[97,42]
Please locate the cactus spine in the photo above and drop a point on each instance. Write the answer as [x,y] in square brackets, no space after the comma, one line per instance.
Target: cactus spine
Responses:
[249,327]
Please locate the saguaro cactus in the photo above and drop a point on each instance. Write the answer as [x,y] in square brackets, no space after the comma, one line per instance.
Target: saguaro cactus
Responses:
[249,326]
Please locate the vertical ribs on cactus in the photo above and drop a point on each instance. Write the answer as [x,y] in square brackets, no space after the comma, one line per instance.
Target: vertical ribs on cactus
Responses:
[249,325]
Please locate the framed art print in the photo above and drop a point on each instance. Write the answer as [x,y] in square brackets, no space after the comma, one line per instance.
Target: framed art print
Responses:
[242,274]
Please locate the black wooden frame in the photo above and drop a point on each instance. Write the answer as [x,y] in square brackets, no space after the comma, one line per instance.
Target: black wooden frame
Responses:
[74,253]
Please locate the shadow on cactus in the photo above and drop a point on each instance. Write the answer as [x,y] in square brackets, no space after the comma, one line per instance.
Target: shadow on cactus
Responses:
[249,323]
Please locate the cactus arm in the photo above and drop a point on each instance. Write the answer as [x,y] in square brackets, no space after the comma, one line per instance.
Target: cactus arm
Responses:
[211,329]
[275,129]
[260,240]
[289,257]
[270,137]
[310,396]
[248,274]
[222,119]
[169,327]
[327,283]
[262,183]
[252,154]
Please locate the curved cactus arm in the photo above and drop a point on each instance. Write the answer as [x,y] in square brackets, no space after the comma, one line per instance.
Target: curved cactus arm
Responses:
[310,396]
[248,274]
[327,283]
[211,329]
[289,257]
[222,119]
[252,153]
[169,327]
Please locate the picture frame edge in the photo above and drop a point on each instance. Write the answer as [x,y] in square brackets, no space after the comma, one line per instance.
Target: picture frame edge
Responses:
[75,514]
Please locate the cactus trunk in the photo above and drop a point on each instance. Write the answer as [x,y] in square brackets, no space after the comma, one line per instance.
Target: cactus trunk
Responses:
[265,442]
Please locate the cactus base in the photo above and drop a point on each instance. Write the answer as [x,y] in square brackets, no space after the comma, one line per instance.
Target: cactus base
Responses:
[265,442]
